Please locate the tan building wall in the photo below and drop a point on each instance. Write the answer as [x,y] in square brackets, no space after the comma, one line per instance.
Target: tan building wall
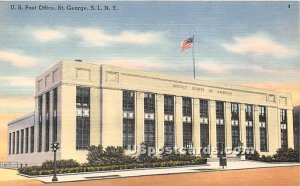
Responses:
[106,84]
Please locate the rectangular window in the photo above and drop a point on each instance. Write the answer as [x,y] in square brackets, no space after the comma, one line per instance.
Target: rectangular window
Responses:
[204,123]
[14,143]
[82,118]
[54,115]
[203,108]
[22,141]
[283,126]
[32,139]
[249,112]
[128,101]
[220,122]
[220,109]
[26,139]
[249,125]
[169,140]
[18,142]
[187,135]
[249,136]
[169,134]
[168,104]
[9,144]
[235,129]
[47,128]
[128,120]
[128,134]
[40,121]
[187,122]
[186,106]
[149,119]
[149,103]
[263,129]
[149,133]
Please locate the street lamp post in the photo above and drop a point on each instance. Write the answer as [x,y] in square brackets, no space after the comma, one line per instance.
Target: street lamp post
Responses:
[54,147]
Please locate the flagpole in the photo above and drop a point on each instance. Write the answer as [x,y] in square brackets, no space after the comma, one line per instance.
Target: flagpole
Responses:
[194,57]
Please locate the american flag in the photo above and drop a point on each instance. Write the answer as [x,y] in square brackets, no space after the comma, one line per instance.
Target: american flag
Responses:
[186,44]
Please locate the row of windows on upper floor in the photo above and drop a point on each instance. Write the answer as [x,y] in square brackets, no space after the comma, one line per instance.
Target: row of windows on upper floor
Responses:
[83,102]
[149,105]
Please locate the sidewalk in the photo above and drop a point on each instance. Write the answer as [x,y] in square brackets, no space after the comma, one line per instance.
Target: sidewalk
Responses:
[211,166]
[10,174]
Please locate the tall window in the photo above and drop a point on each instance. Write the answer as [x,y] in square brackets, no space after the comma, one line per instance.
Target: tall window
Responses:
[263,128]
[149,119]
[54,115]
[249,125]
[22,141]
[47,129]
[14,143]
[18,142]
[26,139]
[40,114]
[235,129]
[169,121]
[204,127]
[187,122]
[82,118]
[9,144]
[128,120]
[283,126]
[32,139]
[220,122]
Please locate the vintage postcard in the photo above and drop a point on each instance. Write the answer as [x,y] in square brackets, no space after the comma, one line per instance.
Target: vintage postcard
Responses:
[149,93]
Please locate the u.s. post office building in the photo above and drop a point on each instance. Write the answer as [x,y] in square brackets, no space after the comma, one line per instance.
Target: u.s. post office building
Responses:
[80,104]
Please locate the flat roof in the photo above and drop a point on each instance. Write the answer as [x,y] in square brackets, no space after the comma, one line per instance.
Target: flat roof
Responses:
[31,114]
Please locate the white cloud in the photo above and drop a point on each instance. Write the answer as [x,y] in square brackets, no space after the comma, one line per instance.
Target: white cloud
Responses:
[48,35]
[97,38]
[16,59]
[275,71]
[258,44]
[18,81]
[214,67]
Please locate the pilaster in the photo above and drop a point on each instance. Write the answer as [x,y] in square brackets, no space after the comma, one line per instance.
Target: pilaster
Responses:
[178,122]
[196,123]
[242,124]
[228,137]
[290,130]
[159,117]
[139,115]
[213,124]
[256,129]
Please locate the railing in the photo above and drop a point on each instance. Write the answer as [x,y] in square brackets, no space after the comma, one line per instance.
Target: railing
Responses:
[188,144]
[10,165]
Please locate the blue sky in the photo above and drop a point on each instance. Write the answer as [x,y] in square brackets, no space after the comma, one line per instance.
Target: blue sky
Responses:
[247,43]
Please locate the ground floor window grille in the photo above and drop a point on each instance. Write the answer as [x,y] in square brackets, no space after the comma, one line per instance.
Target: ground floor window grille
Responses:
[128,134]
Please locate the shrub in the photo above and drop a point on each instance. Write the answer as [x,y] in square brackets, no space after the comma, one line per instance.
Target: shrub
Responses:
[112,158]
[282,155]
[177,157]
[95,155]
[146,157]
[60,164]
[40,171]
[253,156]
[108,156]
[286,155]
[267,158]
